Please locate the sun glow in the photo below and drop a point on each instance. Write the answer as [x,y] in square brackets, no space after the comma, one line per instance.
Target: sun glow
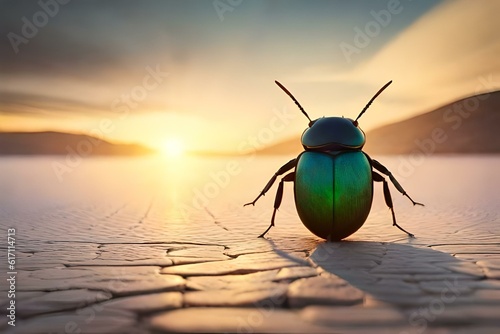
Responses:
[173,147]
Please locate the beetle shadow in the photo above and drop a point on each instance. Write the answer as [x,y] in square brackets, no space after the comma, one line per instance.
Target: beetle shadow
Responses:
[397,274]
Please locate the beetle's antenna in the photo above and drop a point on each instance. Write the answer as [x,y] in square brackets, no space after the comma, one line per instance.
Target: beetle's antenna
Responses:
[294,99]
[370,102]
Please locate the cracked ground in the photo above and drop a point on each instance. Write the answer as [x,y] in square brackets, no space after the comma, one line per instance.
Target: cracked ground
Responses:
[140,246]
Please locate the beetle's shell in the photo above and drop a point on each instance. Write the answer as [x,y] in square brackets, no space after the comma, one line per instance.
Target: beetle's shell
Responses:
[333,192]
[329,131]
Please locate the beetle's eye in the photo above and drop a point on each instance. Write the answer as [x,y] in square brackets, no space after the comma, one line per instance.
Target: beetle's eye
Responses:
[355,123]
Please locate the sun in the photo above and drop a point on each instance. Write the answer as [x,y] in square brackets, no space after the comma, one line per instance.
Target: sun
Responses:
[173,147]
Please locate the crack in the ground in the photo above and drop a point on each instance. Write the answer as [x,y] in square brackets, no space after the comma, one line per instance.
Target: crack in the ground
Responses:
[141,220]
[99,251]
[114,212]
[467,244]
[174,249]
[219,224]
[234,256]
[147,211]
[139,243]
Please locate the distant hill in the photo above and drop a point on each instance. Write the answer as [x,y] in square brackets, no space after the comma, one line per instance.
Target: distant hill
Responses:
[59,143]
[469,125]
[290,147]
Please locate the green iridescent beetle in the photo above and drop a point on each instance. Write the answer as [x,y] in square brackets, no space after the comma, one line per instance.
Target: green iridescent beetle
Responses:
[333,177]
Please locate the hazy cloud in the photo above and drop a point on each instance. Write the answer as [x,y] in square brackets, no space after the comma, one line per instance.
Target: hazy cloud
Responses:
[450,52]
[27,103]
[93,52]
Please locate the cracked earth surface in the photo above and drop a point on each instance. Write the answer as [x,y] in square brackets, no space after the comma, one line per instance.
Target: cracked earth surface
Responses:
[144,252]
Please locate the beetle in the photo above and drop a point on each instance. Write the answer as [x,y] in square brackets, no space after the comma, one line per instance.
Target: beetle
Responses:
[333,177]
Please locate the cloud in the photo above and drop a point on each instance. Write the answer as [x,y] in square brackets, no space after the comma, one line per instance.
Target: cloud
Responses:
[97,51]
[54,49]
[93,52]
[450,52]
[445,50]
[28,103]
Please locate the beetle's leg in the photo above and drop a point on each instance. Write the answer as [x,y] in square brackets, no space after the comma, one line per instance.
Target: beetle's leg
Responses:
[381,168]
[285,168]
[277,200]
[388,200]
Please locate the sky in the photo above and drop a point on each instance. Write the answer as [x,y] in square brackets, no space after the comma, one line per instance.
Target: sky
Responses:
[202,72]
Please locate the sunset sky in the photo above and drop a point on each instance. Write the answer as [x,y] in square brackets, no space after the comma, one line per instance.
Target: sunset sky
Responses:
[202,72]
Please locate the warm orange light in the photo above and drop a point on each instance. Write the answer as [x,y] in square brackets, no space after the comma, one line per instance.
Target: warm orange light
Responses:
[173,147]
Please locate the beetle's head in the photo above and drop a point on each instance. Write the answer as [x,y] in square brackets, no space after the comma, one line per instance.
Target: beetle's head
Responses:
[333,133]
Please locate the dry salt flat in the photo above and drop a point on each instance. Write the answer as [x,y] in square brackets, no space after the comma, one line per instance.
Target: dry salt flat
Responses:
[147,246]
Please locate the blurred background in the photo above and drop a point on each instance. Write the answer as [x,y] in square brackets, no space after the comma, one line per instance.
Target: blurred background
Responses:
[183,93]
[198,76]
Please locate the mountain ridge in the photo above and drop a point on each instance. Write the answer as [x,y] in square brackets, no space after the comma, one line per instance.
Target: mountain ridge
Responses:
[62,143]
[467,125]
